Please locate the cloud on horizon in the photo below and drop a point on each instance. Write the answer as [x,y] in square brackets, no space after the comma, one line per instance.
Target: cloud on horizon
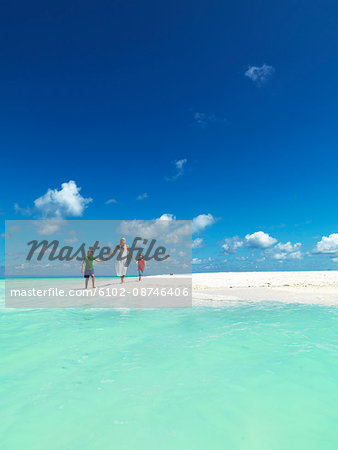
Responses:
[259,240]
[281,251]
[328,245]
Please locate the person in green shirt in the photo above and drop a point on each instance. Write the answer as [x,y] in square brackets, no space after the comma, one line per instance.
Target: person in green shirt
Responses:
[88,263]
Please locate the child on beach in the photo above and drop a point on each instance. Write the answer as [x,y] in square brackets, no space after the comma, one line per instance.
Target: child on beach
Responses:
[141,266]
[89,269]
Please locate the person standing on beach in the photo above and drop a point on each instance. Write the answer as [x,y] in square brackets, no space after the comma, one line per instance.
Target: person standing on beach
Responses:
[89,269]
[141,266]
[121,263]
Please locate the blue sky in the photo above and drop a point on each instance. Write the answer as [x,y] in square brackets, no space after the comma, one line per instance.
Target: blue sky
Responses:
[226,109]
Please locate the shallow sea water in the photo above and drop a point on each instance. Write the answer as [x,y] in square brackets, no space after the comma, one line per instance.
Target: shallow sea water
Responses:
[247,376]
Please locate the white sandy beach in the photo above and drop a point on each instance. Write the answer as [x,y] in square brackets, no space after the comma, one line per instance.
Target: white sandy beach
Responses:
[204,288]
[287,287]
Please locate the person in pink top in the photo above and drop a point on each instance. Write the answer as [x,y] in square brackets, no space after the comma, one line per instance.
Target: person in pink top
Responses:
[141,266]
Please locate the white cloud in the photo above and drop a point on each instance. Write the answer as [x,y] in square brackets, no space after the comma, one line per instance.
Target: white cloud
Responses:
[71,240]
[179,169]
[165,228]
[284,251]
[24,211]
[202,261]
[327,245]
[110,201]
[202,221]
[259,239]
[196,261]
[197,243]
[55,206]
[167,217]
[199,223]
[259,75]
[180,163]
[203,119]
[13,229]
[58,204]
[48,227]
[231,245]
[142,196]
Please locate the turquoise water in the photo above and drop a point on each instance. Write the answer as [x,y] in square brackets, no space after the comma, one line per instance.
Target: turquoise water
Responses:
[250,376]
